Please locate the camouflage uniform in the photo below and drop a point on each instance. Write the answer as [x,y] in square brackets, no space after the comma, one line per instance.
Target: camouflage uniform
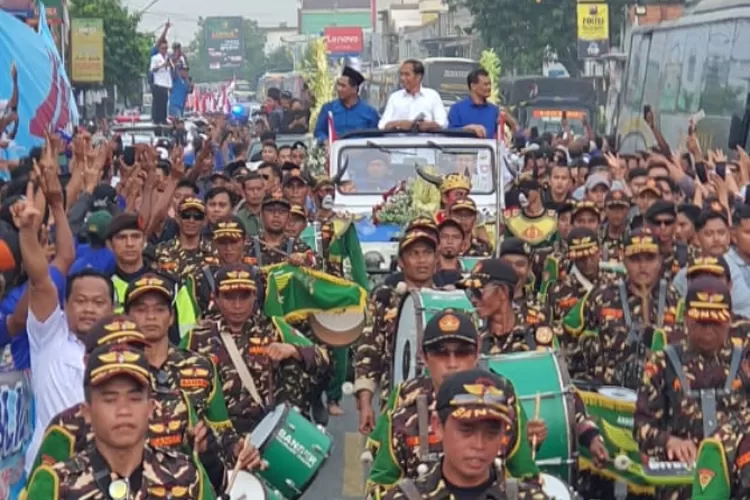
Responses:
[607,351]
[265,254]
[204,285]
[532,332]
[274,383]
[172,258]
[432,486]
[676,259]
[165,474]
[612,248]
[477,248]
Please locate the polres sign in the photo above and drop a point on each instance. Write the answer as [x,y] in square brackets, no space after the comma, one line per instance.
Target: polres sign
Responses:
[343,39]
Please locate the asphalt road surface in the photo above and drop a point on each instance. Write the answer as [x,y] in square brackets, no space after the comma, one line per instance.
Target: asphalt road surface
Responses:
[343,475]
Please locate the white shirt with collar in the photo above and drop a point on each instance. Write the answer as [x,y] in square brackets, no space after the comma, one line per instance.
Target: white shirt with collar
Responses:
[162,75]
[56,372]
[405,106]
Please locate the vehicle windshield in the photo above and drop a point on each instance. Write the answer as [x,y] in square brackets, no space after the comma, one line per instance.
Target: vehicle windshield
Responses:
[375,170]
[550,120]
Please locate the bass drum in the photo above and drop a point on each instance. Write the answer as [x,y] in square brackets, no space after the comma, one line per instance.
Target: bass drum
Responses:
[543,373]
[417,307]
[247,486]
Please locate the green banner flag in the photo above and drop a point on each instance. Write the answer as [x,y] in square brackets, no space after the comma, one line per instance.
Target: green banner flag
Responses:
[292,293]
[344,245]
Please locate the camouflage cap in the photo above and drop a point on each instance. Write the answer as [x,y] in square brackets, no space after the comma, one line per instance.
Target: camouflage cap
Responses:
[449,325]
[237,277]
[709,299]
[714,266]
[476,395]
[582,243]
[232,229]
[110,360]
[617,198]
[114,329]
[298,211]
[421,223]
[192,203]
[149,283]
[652,187]
[641,241]
[465,204]
[585,206]
[414,237]
[450,222]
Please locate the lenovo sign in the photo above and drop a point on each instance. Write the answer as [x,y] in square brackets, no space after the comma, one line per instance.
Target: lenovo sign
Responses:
[343,40]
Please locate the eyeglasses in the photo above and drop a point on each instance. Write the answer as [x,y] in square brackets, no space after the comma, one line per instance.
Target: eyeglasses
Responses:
[665,223]
[463,351]
[192,216]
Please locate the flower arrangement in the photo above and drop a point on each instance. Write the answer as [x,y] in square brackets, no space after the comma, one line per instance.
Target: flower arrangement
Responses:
[490,62]
[317,161]
[404,202]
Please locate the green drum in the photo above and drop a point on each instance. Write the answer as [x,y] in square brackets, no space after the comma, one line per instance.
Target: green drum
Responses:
[417,307]
[293,448]
[613,408]
[544,373]
[247,486]
[468,263]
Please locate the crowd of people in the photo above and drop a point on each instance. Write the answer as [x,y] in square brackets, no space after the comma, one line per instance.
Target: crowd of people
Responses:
[134,287]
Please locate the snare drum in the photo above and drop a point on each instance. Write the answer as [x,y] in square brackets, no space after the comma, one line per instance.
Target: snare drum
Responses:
[543,373]
[248,487]
[417,307]
[555,488]
[293,448]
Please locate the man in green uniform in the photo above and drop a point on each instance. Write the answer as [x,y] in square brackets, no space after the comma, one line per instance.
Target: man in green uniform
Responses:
[465,213]
[450,345]
[120,463]
[476,414]
[260,364]
[689,388]
[518,254]
[182,255]
[661,219]
[612,232]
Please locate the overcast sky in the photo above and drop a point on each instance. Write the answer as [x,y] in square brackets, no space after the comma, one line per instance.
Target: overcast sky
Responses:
[184,14]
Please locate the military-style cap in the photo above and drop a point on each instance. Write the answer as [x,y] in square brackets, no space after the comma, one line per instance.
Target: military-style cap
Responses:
[192,203]
[641,241]
[692,212]
[449,325]
[110,360]
[238,277]
[489,271]
[515,246]
[232,229]
[476,395]
[582,243]
[294,175]
[653,187]
[714,266]
[276,198]
[585,206]
[417,236]
[617,198]
[97,224]
[660,207]
[465,204]
[298,211]
[449,222]
[124,222]
[355,77]
[714,210]
[421,223]
[149,283]
[114,329]
[709,299]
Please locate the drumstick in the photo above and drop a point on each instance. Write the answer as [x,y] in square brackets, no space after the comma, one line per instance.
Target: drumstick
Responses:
[237,464]
[537,404]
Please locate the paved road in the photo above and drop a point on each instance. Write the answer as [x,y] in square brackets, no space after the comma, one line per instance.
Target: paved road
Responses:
[343,475]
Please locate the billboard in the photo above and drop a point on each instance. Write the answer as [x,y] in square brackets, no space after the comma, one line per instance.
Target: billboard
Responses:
[224,42]
[315,22]
[593,29]
[87,50]
[343,39]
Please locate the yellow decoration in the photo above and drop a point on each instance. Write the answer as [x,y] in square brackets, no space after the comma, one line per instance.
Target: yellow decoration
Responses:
[320,78]
[425,197]
[490,61]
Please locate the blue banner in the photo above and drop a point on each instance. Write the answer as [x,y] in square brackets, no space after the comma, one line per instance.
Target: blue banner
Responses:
[46,99]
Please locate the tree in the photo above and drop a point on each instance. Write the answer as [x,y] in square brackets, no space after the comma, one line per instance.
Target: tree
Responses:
[525,32]
[253,64]
[126,51]
[280,61]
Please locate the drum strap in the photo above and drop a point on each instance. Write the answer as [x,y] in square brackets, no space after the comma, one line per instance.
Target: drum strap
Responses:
[424,427]
[209,278]
[257,251]
[512,488]
[625,304]
[662,303]
[410,489]
[289,246]
[240,366]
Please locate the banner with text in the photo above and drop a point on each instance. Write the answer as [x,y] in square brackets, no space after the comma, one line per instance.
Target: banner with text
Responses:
[87,50]
[593,30]
[224,42]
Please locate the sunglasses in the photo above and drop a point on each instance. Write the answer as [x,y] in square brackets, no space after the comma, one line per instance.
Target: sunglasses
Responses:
[667,223]
[459,352]
[192,216]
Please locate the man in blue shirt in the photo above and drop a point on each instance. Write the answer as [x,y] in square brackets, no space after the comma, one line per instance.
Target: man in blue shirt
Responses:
[181,87]
[475,113]
[349,111]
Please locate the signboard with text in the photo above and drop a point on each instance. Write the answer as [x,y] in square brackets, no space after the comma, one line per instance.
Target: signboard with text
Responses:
[343,39]
[224,42]
[593,29]
[87,50]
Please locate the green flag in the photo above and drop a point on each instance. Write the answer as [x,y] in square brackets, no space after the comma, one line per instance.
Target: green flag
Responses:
[344,245]
[294,292]
[712,480]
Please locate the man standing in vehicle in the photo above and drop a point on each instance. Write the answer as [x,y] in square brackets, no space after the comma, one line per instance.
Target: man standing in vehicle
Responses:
[349,111]
[413,104]
[475,113]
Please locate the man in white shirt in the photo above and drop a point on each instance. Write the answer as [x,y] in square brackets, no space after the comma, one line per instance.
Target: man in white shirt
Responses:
[412,102]
[161,67]
[55,344]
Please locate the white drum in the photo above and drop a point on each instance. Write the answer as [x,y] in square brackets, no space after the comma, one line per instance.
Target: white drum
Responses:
[555,488]
[248,487]
[618,393]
